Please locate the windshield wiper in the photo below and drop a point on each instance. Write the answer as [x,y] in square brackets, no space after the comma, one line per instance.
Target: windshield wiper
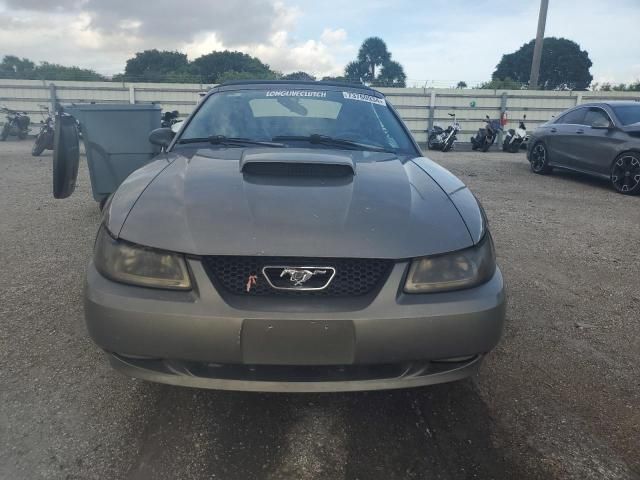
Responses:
[235,141]
[319,139]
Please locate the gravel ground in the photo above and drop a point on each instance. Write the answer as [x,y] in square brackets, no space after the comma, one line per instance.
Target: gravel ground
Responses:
[559,397]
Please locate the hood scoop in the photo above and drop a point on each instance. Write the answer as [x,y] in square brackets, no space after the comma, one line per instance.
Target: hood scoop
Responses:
[297,163]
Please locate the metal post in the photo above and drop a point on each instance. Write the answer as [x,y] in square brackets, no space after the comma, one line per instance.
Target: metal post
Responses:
[132,94]
[503,109]
[432,107]
[537,49]
[579,98]
[53,98]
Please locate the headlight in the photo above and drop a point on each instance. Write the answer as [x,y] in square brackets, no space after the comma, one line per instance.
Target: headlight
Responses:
[136,265]
[453,271]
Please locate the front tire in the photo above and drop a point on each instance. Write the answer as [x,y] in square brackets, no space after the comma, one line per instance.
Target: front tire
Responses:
[5,132]
[539,159]
[38,146]
[431,141]
[625,174]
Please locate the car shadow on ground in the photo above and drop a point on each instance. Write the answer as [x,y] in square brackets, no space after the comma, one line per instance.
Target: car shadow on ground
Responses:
[444,431]
[582,178]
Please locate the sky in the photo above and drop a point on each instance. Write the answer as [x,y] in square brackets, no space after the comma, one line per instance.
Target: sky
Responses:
[438,42]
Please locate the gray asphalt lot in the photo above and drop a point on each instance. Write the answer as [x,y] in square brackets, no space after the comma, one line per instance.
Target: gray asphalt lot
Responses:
[559,397]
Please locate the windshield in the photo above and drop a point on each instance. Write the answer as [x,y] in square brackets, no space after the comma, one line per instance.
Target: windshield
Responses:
[628,114]
[283,113]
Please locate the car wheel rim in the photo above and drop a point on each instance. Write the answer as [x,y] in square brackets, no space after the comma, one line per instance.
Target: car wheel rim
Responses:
[538,157]
[625,174]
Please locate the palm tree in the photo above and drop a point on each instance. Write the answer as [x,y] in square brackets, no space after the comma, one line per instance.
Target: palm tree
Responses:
[391,75]
[356,71]
[373,52]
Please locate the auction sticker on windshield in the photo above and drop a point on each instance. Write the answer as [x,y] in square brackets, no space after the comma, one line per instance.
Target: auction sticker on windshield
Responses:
[364,98]
[296,93]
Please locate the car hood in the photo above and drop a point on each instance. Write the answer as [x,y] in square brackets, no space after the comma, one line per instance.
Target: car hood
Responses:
[206,202]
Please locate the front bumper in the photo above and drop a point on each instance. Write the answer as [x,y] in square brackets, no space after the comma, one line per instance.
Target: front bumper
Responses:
[201,339]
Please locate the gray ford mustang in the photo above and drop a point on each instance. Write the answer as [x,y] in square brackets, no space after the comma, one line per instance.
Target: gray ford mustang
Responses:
[291,237]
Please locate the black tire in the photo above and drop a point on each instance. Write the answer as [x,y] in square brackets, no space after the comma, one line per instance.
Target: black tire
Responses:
[485,146]
[505,145]
[625,174]
[38,146]
[22,135]
[430,144]
[5,132]
[514,147]
[539,161]
[66,156]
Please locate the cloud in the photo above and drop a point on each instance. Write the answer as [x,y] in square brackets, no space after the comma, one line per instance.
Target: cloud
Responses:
[333,37]
[43,5]
[103,34]
[237,22]
[282,54]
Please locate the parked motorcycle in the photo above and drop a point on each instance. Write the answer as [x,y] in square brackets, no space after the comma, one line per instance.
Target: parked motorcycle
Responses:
[44,139]
[515,138]
[17,124]
[169,118]
[486,136]
[440,139]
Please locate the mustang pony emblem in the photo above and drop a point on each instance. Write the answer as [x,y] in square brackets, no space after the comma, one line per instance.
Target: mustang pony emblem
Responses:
[298,276]
[253,279]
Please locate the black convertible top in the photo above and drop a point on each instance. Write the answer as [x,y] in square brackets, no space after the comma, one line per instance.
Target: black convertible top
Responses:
[308,83]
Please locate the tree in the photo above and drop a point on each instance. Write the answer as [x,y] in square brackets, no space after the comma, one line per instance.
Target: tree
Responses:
[53,71]
[232,75]
[212,65]
[156,66]
[373,52]
[356,72]
[335,79]
[505,84]
[564,66]
[461,84]
[391,75]
[12,65]
[299,76]
[620,87]
[23,68]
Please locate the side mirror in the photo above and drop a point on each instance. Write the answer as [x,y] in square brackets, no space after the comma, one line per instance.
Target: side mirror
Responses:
[161,137]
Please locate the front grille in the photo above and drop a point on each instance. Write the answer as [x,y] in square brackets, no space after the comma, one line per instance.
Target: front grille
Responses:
[354,276]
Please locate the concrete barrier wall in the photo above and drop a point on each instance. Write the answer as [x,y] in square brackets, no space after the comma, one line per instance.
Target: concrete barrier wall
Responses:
[420,108]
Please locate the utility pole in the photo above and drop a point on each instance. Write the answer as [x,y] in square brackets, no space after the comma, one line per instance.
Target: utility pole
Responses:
[537,49]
